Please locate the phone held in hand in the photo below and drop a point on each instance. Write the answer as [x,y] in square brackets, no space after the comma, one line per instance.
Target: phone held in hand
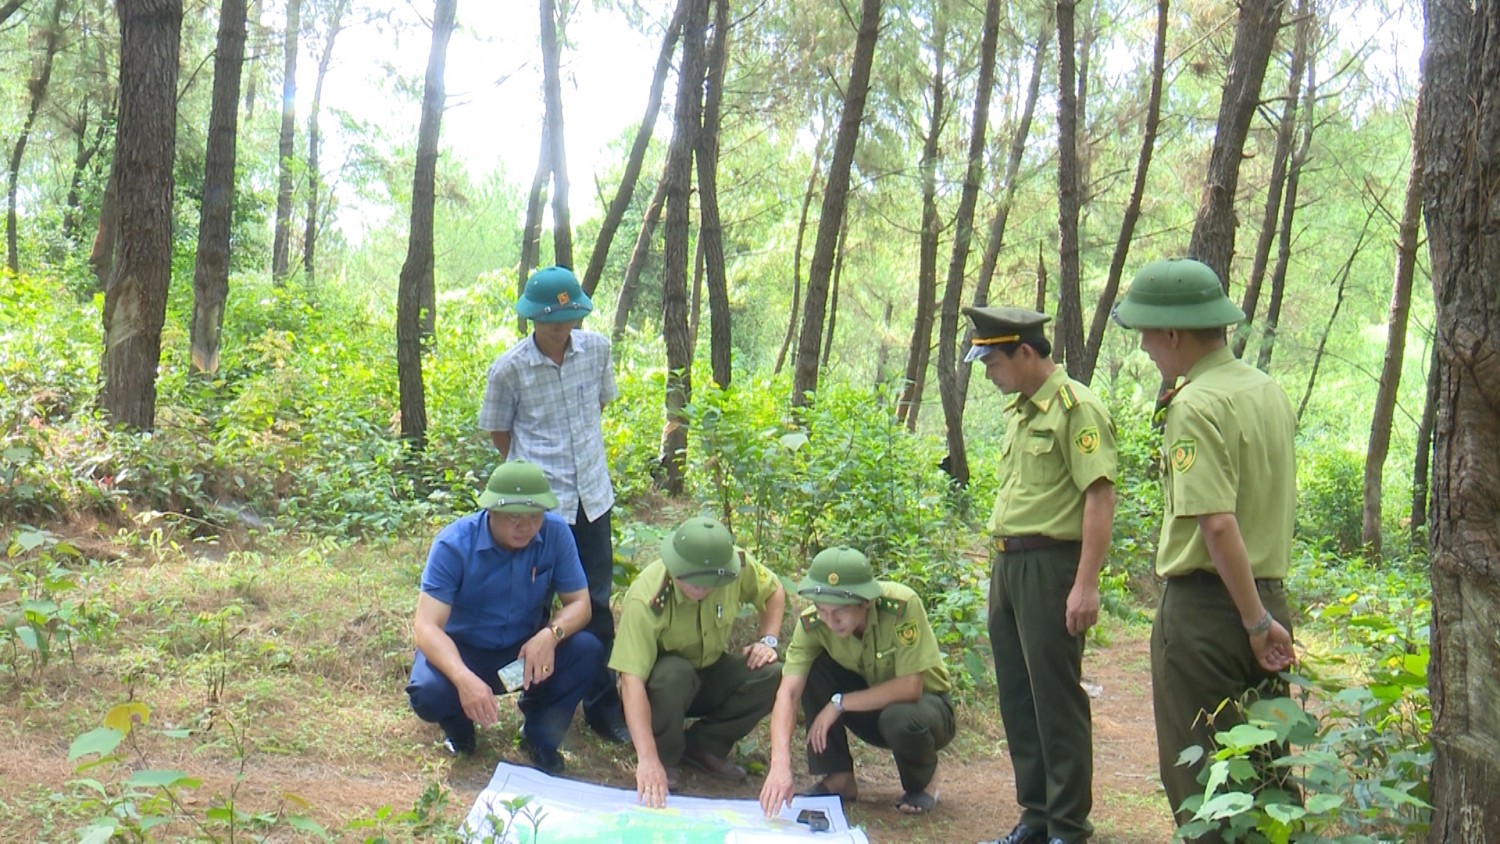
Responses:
[513,675]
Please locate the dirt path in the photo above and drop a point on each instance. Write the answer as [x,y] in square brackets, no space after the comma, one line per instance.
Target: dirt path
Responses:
[975,786]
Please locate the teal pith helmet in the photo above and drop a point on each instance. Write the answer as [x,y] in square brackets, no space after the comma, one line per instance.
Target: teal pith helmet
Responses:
[839,575]
[553,294]
[701,551]
[1177,293]
[517,487]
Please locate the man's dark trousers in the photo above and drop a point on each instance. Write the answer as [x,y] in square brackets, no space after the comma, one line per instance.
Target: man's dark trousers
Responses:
[1038,668]
[595,541]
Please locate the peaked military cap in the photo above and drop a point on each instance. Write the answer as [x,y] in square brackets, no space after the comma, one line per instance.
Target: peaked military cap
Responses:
[999,326]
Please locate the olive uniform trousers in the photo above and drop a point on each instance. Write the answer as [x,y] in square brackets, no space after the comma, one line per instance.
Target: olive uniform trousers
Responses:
[913,732]
[1038,669]
[727,698]
[1201,657]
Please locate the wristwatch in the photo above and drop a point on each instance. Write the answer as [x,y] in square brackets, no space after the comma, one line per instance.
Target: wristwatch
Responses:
[770,641]
[838,701]
[557,631]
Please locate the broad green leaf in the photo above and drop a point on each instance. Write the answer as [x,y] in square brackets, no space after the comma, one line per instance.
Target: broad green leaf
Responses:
[1322,804]
[1190,756]
[1245,736]
[1396,795]
[101,740]
[793,441]
[1226,805]
[1284,812]
[1218,773]
[27,635]
[99,832]
[154,778]
[28,540]
[305,824]
[126,716]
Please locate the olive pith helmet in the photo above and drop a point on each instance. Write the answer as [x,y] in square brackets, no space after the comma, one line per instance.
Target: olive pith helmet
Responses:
[1177,293]
[701,551]
[996,327]
[553,294]
[517,487]
[839,575]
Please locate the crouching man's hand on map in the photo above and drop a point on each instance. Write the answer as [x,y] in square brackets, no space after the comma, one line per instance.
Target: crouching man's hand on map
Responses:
[777,791]
[651,783]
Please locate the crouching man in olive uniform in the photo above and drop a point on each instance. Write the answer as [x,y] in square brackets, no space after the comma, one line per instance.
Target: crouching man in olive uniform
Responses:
[863,658]
[671,654]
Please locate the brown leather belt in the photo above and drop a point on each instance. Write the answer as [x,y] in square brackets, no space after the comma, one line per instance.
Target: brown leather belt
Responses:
[1032,542]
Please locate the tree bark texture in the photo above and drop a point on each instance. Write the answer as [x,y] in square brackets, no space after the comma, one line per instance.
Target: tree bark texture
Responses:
[807,198]
[286,147]
[135,295]
[835,198]
[1395,347]
[86,159]
[1254,37]
[958,261]
[415,291]
[1133,205]
[1460,185]
[688,116]
[10,8]
[1068,335]
[919,350]
[215,214]
[1284,240]
[562,223]
[314,138]
[637,157]
[36,88]
[638,255]
[531,229]
[833,293]
[710,229]
[1421,472]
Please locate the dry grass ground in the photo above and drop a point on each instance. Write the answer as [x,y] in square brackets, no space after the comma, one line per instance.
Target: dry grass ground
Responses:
[287,657]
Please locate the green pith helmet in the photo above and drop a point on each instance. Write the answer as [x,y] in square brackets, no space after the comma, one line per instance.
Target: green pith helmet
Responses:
[996,327]
[517,487]
[701,551]
[553,294]
[839,575]
[1177,293]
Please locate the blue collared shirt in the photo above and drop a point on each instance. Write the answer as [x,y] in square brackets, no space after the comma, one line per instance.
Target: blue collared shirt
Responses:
[498,597]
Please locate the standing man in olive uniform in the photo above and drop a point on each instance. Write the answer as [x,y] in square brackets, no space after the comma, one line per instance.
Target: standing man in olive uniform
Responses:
[864,658]
[1050,531]
[671,654]
[1229,490]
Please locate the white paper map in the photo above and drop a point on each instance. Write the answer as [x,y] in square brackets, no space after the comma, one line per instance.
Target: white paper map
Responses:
[562,811]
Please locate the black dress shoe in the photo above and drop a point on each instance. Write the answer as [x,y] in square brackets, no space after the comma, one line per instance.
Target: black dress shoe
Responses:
[611,728]
[546,760]
[1022,834]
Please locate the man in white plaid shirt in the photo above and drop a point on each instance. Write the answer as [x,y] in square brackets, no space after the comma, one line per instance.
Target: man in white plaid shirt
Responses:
[543,403]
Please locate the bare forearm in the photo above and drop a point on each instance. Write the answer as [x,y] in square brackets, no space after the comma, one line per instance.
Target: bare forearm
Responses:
[904,689]
[1098,528]
[771,618]
[1226,546]
[501,439]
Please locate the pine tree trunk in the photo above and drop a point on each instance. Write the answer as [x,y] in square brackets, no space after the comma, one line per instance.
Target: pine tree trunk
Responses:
[1068,337]
[637,157]
[1395,347]
[314,137]
[638,257]
[1421,473]
[807,198]
[688,117]
[416,272]
[1133,205]
[135,295]
[215,214]
[710,229]
[835,197]
[1284,241]
[37,89]
[281,239]
[963,233]
[531,230]
[1461,178]
[1254,38]
[562,225]
[1285,132]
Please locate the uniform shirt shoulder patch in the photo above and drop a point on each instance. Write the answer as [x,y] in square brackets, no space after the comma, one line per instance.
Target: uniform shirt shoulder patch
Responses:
[894,605]
[906,633]
[1087,440]
[1183,454]
[810,619]
[663,595]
